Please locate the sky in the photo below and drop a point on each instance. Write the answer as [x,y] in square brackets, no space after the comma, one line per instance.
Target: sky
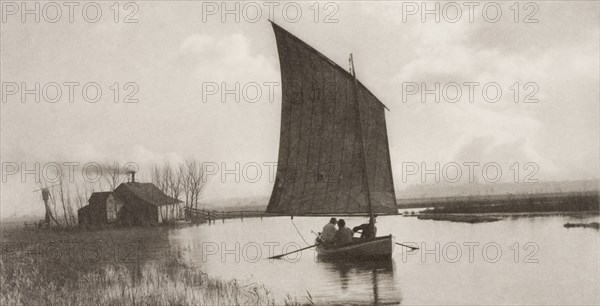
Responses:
[179,57]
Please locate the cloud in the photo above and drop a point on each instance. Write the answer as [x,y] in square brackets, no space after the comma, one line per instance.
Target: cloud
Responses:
[226,57]
[506,53]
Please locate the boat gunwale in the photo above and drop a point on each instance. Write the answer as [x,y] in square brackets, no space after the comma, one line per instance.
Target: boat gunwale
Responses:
[353,244]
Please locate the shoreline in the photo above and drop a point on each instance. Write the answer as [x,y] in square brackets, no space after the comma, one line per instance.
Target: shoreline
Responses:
[492,217]
[114,267]
[594,225]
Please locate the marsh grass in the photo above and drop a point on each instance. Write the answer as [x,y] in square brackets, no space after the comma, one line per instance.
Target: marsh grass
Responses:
[30,277]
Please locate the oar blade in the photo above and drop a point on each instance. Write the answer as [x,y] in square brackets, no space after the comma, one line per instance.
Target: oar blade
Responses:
[302,249]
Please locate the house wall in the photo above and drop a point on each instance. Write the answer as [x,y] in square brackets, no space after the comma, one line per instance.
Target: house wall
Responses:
[92,214]
[119,205]
[137,212]
[168,213]
[111,209]
[171,212]
[83,216]
[133,210]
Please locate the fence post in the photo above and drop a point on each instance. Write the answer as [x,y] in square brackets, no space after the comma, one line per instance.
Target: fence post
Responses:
[242,215]
[223,216]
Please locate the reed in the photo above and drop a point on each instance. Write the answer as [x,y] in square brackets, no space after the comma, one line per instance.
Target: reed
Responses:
[30,277]
[31,282]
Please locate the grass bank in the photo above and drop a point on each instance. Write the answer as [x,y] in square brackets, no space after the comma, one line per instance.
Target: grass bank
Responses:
[105,268]
[556,203]
[481,210]
[458,218]
[594,225]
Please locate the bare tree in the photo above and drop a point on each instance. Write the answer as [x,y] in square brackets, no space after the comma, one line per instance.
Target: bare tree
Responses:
[195,182]
[158,177]
[184,180]
[112,175]
[175,183]
[61,193]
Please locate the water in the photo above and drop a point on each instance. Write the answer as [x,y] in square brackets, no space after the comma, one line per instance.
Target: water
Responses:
[527,261]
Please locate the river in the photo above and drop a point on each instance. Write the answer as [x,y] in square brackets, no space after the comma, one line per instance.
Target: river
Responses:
[522,260]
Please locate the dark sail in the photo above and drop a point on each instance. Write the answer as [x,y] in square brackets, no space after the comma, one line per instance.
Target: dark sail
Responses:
[321,168]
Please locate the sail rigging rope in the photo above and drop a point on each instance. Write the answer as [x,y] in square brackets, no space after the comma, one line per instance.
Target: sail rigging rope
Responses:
[298,231]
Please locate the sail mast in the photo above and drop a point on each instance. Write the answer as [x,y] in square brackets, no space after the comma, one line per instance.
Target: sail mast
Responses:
[360,135]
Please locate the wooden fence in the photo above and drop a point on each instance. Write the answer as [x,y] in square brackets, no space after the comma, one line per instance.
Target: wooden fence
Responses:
[34,225]
[211,216]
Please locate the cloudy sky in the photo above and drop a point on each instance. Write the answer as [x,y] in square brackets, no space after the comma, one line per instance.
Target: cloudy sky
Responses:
[173,56]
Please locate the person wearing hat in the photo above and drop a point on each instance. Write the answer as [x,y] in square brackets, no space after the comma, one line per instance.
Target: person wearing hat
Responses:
[328,232]
[368,230]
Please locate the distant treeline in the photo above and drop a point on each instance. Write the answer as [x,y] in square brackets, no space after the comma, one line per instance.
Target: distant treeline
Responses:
[555,202]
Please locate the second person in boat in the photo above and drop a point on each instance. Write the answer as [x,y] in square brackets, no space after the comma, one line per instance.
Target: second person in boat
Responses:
[343,234]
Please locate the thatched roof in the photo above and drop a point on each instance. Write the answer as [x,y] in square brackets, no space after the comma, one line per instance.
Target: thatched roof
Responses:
[146,192]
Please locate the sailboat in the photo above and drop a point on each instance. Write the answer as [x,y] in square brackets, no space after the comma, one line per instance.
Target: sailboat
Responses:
[334,157]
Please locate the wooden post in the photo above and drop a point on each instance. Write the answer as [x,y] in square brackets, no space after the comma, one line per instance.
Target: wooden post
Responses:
[223,216]
[242,215]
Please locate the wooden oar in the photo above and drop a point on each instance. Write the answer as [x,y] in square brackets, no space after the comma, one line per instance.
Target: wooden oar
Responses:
[404,245]
[302,249]
[408,246]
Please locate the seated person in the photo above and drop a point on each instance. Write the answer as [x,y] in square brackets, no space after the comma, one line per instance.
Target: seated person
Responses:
[369,230]
[343,234]
[328,233]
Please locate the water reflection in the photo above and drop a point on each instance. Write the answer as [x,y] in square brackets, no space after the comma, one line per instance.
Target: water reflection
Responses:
[381,275]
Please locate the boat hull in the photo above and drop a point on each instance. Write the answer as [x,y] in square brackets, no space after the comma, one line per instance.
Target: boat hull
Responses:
[380,248]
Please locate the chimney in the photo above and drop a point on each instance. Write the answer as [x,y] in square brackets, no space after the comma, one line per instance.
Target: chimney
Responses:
[133,176]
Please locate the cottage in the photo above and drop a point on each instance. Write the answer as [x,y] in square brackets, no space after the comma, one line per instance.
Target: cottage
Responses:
[102,209]
[131,203]
[144,204]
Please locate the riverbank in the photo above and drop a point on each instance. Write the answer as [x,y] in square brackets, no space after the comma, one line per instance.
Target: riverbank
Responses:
[492,217]
[495,209]
[112,267]
[458,218]
[594,225]
[563,201]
